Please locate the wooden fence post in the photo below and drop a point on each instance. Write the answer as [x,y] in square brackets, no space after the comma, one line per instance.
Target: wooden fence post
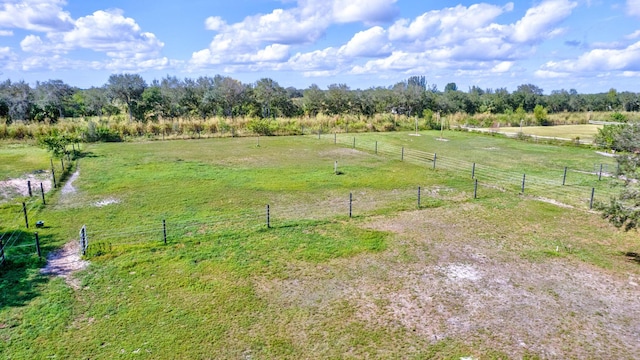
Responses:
[268,217]
[475,189]
[26,217]
[38,244]
[164,230]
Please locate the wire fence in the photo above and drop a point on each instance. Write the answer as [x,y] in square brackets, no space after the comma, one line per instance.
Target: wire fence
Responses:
[18,238]
[579,188]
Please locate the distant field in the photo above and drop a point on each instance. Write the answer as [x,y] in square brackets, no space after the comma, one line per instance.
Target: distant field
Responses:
[506,275]
[584,132]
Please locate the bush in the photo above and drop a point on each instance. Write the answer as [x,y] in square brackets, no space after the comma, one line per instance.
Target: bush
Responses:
[618,117]
[261,127]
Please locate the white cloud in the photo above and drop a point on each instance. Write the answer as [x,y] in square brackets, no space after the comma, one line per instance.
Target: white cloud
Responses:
[540,21]
[547,74]
[6,33]
[600,60]
[633,7]
[369,43]
[305,23]
[214,23]
[633,35]
[36,15]
[108,32]
[367,11]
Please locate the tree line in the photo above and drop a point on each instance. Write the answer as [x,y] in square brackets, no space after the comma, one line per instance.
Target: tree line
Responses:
[223,96]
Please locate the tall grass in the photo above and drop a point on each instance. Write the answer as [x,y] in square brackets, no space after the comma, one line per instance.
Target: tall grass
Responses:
[117,128]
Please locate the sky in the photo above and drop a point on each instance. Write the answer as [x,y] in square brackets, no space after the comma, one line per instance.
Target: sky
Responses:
[587,45]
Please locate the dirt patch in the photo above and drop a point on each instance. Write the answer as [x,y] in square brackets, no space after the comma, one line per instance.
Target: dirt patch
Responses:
[554,202]
[444,280]
[68,187]
[106,202]
[17,187]
[65,262]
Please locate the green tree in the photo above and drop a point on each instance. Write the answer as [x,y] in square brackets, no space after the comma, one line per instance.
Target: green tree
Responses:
[128,89]
[624,209]
[540,114]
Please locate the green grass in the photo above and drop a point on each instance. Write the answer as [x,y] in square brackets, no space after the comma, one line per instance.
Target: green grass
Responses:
[583,132]
[226,286]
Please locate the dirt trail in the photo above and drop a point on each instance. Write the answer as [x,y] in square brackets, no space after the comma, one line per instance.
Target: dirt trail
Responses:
[64,262]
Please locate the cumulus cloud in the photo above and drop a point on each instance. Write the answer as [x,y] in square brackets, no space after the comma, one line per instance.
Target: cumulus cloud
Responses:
[540,21]
[369,43]
[302,24]
[108,32]
[36,15]
[599,60]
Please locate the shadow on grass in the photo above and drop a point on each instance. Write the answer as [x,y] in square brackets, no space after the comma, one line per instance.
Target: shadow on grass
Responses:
[20,278]
[633,256]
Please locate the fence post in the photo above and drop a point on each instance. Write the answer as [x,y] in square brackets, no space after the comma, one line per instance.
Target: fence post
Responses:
[524,177]
[350,204]
[26,218]
[335,138]
[83,239]
[600,174]
[564,177]
[354,142]
[473,171]
[435,157]
[376,147]
[593,192]
[475,189]
[419,197]
[53,174]
[402,154]
[335,167]
[164,230]
[29,186]
[38,244]
[268,217]
[42,192]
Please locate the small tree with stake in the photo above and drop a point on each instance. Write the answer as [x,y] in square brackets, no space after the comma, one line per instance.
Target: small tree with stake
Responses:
[624,210]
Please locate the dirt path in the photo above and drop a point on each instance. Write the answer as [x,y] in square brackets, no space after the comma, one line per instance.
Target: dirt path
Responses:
[64,262]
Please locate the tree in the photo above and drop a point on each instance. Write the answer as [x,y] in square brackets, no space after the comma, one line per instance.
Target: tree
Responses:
[313,100]
[540,114]
[52,95]
[624,210]
[126,88]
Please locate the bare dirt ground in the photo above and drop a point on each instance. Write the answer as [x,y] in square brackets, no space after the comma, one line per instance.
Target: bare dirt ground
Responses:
[445,280]
[65,262]
[12,188]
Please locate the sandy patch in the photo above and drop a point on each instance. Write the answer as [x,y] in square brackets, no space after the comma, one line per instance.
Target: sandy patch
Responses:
[68,187]
[65,262]
[554,202]
[17,187]
[106,202]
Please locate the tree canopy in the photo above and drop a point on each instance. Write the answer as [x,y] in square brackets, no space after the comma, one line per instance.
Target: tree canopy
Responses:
[171,97]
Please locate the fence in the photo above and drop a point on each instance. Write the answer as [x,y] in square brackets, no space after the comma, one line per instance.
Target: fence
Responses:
[331,207]
[17,238]
[580,193]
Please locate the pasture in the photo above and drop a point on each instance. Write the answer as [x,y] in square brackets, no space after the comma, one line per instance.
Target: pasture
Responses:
[533,274]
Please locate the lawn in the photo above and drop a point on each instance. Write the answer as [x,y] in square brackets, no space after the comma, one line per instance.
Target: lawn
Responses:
[504,275]
[583,132]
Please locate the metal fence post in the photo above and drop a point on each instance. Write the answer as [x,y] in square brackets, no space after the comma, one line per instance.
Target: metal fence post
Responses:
[38,244]
[164,230]
[42,192]
[350,204]
[268,217]
[564,177]
[26,218]
[593,192]
[524,177]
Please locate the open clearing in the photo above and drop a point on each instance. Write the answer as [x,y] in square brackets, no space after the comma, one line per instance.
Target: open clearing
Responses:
[505,275]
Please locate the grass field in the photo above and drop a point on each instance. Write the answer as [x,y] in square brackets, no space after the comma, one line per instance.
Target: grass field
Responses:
[583,132]
[501,276]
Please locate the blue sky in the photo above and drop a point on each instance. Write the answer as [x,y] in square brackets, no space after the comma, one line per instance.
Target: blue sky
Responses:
[587,45]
